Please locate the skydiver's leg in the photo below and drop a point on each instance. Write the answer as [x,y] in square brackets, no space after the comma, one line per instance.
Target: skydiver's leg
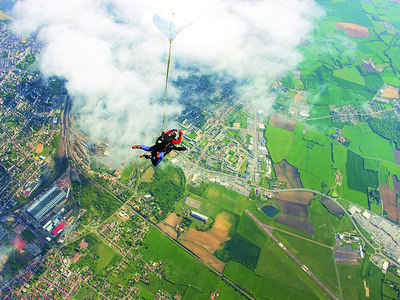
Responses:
[157,159]
[146,148]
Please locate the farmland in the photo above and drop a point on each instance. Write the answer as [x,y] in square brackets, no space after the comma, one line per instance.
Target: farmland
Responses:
[276,276]
[182,268]
[389,201]
[289,174]
[279,142]
[332,135]
[365,142]
[226,199]
[359,179]
[317,258]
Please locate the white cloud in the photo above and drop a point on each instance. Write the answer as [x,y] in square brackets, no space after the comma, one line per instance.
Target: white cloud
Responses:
[114,58]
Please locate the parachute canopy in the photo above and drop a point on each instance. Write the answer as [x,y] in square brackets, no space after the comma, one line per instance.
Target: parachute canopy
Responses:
[169,23]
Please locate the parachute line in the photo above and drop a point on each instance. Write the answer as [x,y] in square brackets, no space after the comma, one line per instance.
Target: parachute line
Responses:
[166,82]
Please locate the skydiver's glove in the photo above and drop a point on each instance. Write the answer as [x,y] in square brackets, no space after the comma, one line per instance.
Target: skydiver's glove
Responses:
[180,132]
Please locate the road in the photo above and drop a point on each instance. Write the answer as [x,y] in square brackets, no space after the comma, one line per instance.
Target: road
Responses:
[268,230]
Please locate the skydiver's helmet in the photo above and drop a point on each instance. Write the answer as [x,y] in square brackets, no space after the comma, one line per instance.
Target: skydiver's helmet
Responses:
[173,135]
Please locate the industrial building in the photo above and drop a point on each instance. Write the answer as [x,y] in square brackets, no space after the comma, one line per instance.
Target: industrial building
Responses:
[46,203]
[199,216]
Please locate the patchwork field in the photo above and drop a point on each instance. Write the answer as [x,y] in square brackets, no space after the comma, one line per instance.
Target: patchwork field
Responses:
[292,208]
[205,256]
[209,240]
[389,202]
[296,223]
[353,30]
[173,219]
[168,230]
[183,269]
[390,92]
[332,207]
[205,243]
[345,256]
[282,121]
[289,174]
[296,197]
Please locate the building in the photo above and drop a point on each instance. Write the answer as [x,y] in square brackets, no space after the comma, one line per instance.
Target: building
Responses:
[46,203]
[366,215]
[361,252]
[354,209]
[199,216]
[59,228]
[385,266]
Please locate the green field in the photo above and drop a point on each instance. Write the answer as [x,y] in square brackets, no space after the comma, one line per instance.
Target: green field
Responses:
[279,142]
[276,276]
[182,269]
[372,164]
[326,224]
[27,235]
[86,293]
[238,248]
[358,178]
[99,256]
[352,281]
[317,258]
[126,173]
[249,229]
[315,136]
[310,156]
[365,142]
[350,74]
[226,199]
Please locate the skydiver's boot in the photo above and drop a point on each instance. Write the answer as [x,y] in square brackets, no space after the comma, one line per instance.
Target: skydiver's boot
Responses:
[136,147]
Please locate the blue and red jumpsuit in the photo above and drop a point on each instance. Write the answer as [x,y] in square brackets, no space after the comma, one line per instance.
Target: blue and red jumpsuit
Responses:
[164,144]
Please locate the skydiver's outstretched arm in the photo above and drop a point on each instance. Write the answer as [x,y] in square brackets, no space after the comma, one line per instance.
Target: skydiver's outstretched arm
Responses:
[179,148]
[176,142]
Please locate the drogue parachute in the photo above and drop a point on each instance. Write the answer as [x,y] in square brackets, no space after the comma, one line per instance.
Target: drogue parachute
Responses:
[170,22]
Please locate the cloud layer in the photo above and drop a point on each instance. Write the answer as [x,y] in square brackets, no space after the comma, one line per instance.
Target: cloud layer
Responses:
[114,58]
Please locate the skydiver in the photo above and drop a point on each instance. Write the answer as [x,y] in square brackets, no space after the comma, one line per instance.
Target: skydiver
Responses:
[164,144]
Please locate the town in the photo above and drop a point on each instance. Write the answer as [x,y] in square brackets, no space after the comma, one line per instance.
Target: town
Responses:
[71,225]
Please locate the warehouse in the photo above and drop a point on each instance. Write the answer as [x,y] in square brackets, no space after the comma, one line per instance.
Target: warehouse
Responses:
[46,203]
